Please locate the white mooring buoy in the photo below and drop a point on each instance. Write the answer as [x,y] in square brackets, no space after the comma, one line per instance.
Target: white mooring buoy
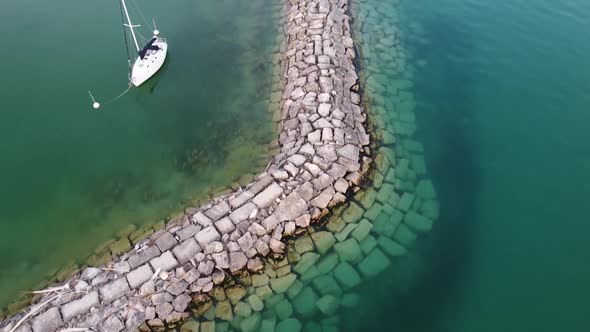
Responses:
[95,104]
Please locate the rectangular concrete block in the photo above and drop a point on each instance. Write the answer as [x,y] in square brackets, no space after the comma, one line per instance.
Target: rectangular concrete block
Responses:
[143,257]
[164,262]
[80,306]
[207,235]
[114,290]
[268,196]
[186,250]
[242,213]
[188,232]
[49,321]
[166,241]
[139,276]
[218,211]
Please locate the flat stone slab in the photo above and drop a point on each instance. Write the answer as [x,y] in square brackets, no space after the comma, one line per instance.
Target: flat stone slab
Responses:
[80,306]
[114,290]
[218,211]
[166,241]
[48,321]
[143,257]
[186,250]
[164,262]
[242,213]
[139,276]
[207,235]
[268,196]
[291,207]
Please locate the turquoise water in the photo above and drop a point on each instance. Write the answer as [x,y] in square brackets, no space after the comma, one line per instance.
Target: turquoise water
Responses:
[502,92]
[70,176]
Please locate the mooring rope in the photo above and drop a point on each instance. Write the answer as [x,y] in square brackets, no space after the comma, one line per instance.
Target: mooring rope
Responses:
[122,94]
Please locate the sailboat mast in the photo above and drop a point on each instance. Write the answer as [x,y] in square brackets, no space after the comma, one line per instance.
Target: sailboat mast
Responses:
[131,26]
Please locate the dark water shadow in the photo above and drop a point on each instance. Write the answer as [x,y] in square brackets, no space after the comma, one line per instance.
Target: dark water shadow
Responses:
[422,285]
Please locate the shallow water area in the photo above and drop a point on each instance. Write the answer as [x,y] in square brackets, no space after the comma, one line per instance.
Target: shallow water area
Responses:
[72,176]
[501,99]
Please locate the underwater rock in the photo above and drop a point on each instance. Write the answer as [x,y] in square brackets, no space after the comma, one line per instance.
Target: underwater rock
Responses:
[289,325]
[348,251]
[346,275]
[323,241]
[417,222]
[307,260]
[375,263]
[280,285]
[328,304]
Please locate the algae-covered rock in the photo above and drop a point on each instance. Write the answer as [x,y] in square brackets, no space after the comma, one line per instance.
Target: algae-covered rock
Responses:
[304,244]
[363,229]
[263,292]
[368,199]
[289,325]
[224,311]
[390,247]
[235,293]
[208,326]
[417,222]
[190,326]
[327,263]
[251,323]
[255,302]
[284,309]
[353,213]
[348,251]
[335,225]
[280,285]
[375,263]
[294,289]
[342,235]
[406,201]
[259,280]
[304,302]
[268,325]
[323,241]
[242,309]
[385,193]
[328,304]
[430,209]
[120,246]
[373,211]
[368,244]
[311,273]
[307,260]
[346,275]
[326,284]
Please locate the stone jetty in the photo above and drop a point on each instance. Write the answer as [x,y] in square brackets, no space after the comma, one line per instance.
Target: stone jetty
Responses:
[219,251]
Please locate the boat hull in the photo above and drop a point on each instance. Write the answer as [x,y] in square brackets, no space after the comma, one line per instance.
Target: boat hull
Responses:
[144,69]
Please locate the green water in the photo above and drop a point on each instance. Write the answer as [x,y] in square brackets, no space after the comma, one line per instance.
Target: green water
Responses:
[70,176]
[502,92]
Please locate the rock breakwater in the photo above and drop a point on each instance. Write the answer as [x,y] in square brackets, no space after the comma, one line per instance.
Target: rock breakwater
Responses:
[209,251]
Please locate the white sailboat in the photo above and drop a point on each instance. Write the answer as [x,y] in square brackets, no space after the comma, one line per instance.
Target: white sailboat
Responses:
[150,57]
